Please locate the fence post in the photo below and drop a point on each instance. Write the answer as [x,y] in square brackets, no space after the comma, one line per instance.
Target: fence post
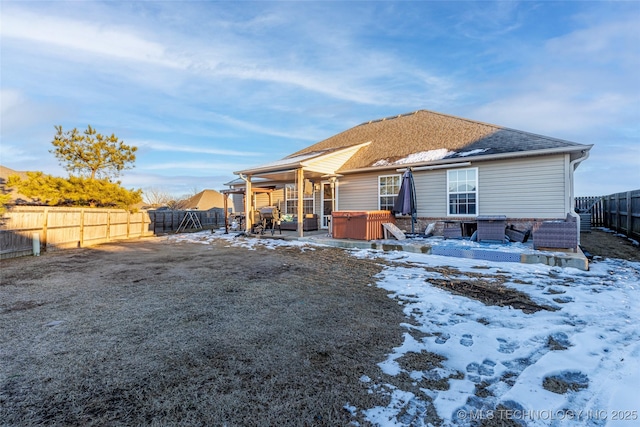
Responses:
[81,243]
[629,214]
[45,218]
[618,221]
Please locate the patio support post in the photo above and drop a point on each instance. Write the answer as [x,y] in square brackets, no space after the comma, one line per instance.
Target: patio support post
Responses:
[226,219]
[248,201]
[332,184]
[300,178]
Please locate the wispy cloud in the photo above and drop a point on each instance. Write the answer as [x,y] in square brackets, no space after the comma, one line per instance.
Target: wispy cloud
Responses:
[89,37]
[488,20]
[180,167]
[160,146]
[260,129]
[14,155]
[556,95]
[192,81]
[340,69]
[18,111]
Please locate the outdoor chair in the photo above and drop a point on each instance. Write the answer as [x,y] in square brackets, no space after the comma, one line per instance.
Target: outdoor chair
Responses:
[290,222]
[491,228]
[560,234]
[517,235]
[452,230]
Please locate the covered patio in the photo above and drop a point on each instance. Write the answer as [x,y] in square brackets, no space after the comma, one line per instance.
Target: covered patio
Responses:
[311,174]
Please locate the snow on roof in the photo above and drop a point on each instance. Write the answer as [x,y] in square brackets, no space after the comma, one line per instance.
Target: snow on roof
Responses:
[429,156]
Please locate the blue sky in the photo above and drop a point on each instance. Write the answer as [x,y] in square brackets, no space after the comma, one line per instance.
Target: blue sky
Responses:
[206,88]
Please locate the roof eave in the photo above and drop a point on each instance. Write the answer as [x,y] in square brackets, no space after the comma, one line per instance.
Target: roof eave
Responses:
[269,169]
[285,167]
[486,157]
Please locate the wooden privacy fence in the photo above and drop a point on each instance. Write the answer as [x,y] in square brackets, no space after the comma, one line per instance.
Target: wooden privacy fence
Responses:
[60,228]
[619,212]
[594,206]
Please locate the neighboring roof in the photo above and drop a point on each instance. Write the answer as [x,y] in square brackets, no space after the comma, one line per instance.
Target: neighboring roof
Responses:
[5,173]
[204,200]
[424,137]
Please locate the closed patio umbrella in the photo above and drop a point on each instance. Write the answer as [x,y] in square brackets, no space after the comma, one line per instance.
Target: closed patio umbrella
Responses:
[406,202]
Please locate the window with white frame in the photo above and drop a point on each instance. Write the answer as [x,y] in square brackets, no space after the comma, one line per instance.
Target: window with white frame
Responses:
[388,187]
[462,191]
[291,200]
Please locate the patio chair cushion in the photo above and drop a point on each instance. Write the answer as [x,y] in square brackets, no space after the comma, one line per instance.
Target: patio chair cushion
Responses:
[290,222]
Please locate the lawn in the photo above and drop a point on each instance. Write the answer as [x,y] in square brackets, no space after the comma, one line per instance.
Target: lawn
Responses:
[208,329]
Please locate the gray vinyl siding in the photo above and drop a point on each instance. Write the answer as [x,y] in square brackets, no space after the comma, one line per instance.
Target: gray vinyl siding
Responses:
[262,200]
[431,193]
[358,192]
[524,188]
[533,187]
[238,205]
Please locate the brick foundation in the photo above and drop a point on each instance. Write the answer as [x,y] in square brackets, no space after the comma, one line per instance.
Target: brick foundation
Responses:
[404,223]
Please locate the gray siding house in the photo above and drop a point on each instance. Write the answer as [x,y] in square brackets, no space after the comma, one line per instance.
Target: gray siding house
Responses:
[462,169]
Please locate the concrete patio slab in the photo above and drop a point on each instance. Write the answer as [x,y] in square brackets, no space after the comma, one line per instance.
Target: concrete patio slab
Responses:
[459,248]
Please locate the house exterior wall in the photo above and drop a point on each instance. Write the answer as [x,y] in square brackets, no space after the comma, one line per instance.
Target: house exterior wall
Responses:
[262,200]
[431,193]
[238,202]
[358,192]
[277,198]
[532,187]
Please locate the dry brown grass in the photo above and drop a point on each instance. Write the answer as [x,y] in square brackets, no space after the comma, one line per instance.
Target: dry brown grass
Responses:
[146,333]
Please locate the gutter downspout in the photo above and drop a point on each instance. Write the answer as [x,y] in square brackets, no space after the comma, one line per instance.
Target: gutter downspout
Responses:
[573,165]
[248,196]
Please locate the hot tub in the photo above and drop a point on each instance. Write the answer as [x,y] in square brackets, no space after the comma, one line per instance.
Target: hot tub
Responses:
[360,225]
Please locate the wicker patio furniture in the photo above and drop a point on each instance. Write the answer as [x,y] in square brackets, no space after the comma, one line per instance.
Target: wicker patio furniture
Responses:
[452,230]
[517,235]
[560,234]
[491,227]
[290,222]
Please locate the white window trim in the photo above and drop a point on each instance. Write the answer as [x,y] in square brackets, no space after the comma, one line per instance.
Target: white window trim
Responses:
[287,199]
[399,176]
[477,194]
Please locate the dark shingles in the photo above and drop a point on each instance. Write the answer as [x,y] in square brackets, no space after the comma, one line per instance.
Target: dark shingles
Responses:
[399,136]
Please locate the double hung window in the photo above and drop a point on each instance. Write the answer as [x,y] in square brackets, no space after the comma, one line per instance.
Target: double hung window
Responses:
[462,191]
[291,200]
[388,187]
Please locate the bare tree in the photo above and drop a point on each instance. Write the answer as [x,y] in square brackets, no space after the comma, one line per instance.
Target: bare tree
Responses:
[156,198]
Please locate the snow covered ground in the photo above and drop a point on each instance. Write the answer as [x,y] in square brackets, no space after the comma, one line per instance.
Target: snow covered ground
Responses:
[575,366]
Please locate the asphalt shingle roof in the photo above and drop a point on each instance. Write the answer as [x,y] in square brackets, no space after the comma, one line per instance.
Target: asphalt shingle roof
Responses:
[397,137]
